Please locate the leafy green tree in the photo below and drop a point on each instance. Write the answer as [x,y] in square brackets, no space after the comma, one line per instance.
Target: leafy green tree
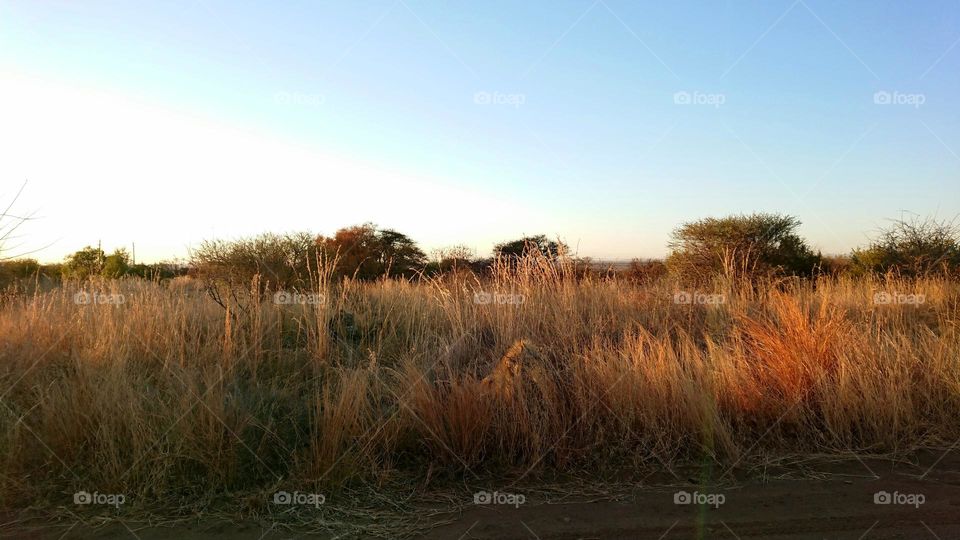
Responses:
[747,246]
[85,263]
[399,254]
[116,264]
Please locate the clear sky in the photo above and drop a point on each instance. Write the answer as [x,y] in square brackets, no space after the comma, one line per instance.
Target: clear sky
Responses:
[605,123]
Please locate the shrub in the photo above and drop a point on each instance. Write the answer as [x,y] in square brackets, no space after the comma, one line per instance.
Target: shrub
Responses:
[744,246]
[645,271]
[539,243]
[836,265]
[366,252]
[455,259]
[16,269]
[116,264]
[159,271]
[914,248]
[280,261]
[91,261]
[83,264]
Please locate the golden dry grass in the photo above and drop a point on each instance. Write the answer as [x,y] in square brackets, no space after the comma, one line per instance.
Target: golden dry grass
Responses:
[168,398]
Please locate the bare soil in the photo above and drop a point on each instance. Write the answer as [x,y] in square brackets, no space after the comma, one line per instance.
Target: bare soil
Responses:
[813,500]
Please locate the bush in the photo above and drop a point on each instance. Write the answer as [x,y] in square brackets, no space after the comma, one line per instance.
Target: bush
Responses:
[365,252]
[159,271]
[452,260]
[647,271]
[280,261]
[116,265]
[912,248]
[83,264]
[745,246]
[17,269]
[523,246]
[836,265]
[91,261]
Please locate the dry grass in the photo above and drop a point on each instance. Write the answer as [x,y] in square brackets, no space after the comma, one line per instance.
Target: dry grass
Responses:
[168,399]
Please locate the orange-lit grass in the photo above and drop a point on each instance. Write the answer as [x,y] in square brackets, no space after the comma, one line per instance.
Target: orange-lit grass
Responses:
[165,396]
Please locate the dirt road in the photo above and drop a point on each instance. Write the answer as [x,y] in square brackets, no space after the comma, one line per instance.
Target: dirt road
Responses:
[849,500]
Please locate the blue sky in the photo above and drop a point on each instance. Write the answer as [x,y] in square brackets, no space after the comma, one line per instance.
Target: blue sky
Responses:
[606,123]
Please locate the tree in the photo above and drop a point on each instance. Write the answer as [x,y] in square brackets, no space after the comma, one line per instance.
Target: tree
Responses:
[531,244]
[281,261]
[366,252]
[398,254]
[9,223]
[116,264]
[914,247]
[452,259]
[740,246]
[85,263]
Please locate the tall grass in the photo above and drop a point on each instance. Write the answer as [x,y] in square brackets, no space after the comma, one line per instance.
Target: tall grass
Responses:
[169,397]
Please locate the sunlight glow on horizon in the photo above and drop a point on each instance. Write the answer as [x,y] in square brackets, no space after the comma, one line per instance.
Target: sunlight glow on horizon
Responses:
[141,163]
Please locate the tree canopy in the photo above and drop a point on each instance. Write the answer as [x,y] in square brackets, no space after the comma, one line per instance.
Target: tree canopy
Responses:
[742,245]
[912,247]
[528,244]
[281,260]
[367,252]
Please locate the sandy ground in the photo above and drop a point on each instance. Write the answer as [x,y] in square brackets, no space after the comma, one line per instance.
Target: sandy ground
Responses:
[834,501]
